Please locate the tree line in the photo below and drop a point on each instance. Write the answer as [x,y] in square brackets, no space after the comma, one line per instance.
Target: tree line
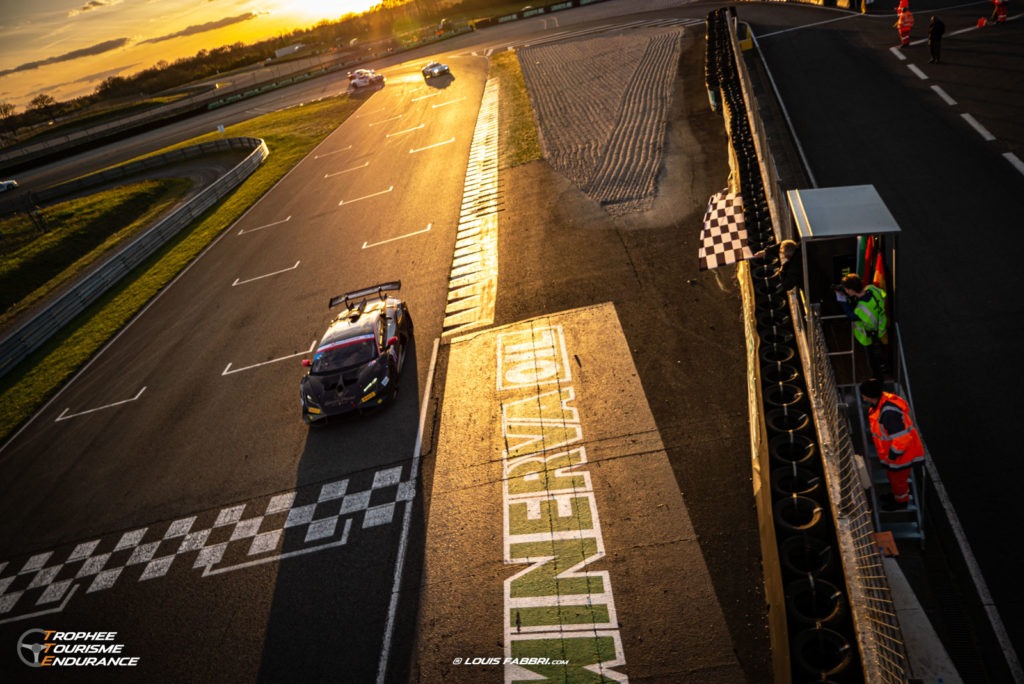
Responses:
[384,20]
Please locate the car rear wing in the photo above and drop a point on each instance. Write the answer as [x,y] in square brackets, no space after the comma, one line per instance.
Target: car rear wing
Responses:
[378,290]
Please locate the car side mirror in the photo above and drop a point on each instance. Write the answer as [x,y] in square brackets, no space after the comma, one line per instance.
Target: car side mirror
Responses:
[306,363]
[392,341]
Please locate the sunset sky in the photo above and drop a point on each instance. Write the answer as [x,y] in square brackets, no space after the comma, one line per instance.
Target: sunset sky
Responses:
[65,48]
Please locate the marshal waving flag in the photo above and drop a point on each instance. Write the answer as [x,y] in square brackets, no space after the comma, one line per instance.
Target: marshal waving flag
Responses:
[723,240]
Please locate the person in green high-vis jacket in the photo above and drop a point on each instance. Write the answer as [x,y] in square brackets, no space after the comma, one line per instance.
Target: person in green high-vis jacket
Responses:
[864,305]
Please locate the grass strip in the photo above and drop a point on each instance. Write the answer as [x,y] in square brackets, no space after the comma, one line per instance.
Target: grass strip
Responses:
[518,139]
[290,134]
[78,233]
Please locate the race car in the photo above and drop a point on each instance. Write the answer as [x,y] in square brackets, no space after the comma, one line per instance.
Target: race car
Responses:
[361,78]
[435,69]
[358,361]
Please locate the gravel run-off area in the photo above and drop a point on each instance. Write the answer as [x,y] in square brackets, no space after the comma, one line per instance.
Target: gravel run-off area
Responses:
[602,106]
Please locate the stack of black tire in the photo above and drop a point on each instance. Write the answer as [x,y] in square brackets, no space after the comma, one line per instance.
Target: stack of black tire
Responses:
[822,640]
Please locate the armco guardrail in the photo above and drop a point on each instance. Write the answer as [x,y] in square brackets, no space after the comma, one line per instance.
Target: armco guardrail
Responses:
[43,325]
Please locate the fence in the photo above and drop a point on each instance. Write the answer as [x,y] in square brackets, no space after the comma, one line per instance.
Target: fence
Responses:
[42,326]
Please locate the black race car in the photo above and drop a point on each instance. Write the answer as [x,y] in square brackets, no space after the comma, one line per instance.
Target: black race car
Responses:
[357,364]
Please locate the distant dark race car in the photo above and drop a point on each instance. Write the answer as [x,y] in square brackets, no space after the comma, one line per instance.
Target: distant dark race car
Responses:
[435,69]
[357,364]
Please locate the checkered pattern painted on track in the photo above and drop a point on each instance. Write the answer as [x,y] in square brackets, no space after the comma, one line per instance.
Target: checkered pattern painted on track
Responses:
[268,529]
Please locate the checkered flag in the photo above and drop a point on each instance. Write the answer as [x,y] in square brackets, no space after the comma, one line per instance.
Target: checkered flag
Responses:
[723,239]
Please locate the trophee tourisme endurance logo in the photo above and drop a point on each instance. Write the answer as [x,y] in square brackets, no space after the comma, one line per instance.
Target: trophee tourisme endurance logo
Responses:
[54,648]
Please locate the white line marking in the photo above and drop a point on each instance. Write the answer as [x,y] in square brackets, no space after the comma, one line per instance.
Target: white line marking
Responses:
[429,147]
[283,270]
[423,97]
[275,223]
[359,116]
[378,123]
[917,72]
[445,104]
[40,613]
[982,131]
[400,237]
[67,416]
[382,192]
[407,130]
[327,154]
[944,95]
[281,556]
[894,50]
[354,168]
[229,371]
[414,470]
[1015,160]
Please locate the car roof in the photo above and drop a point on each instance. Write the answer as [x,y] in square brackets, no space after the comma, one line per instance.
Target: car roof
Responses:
[351,323]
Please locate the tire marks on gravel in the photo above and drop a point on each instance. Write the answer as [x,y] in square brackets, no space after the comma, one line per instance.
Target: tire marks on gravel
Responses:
[603,116]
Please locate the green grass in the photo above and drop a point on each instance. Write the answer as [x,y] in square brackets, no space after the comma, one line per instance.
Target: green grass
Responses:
[77,233]
[518,138]
[290,135]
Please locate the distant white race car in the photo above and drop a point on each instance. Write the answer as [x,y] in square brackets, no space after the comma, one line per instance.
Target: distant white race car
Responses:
[435,69]
[361,78]
[8,185]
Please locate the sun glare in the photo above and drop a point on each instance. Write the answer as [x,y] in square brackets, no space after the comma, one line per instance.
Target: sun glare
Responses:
[312,11]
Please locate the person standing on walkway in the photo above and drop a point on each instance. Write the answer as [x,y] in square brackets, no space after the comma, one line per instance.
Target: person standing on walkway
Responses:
[998,12]
[935,30]
[864,305]
[904,22]
[896,439]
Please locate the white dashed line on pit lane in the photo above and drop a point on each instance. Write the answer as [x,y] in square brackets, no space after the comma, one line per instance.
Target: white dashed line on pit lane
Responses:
[243,231]
[228,370]
[354,168]
[374,194]
[1015,160]
[914,69]
[239,281]
[367,245]
[982,131]
[944,95]
[67,416]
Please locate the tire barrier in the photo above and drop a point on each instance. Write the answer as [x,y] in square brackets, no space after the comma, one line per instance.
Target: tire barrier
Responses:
[819,627]
[815,602]
[820,652]
[796,481]
[804,556]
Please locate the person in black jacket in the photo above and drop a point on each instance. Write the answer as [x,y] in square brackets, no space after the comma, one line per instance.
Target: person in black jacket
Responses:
[790,270]
[935,30]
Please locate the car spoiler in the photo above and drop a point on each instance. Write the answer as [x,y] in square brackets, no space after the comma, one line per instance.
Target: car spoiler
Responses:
[378,290]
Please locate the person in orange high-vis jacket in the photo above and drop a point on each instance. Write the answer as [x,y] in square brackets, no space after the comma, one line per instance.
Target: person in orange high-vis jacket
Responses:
[998,12]
[896,439]
[904,22]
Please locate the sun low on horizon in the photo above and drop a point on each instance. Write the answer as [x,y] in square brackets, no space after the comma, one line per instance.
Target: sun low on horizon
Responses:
[65,48]
[313,11]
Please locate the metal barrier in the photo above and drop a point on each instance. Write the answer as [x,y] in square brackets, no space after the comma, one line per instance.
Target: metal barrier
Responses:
[41,327]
